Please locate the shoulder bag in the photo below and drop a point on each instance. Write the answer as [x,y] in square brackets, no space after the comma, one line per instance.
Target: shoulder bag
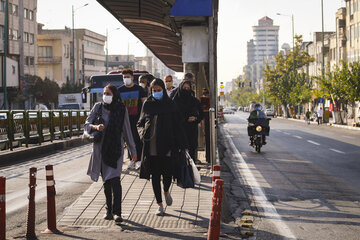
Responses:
[95,136]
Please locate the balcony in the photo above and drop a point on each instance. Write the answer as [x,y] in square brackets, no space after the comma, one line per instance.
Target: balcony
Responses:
[49,60]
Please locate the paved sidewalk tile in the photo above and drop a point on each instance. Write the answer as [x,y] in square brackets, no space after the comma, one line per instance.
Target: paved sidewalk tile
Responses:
[190,210]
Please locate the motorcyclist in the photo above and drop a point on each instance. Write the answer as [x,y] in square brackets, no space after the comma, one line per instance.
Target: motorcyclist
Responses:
[256,114]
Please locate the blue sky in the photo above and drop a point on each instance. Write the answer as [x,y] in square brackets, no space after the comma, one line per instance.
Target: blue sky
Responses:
[236,17]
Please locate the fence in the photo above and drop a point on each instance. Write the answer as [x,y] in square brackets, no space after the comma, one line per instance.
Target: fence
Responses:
[19,127]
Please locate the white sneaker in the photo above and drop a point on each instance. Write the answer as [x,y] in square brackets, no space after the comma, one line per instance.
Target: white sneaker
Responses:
[160,211]
[131,165]
[137,165]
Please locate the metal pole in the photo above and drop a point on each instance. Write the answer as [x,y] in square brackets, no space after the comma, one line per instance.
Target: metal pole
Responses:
[323,53]
[73,45]
[293,35]
[6,38]
[107,53]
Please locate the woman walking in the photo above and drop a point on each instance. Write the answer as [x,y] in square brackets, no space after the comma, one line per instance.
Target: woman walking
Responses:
[160,130]
[107,156]
[192,114]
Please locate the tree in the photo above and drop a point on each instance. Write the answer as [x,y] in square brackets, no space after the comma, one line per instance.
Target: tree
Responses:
[288,84]
[71,88]
[44,91]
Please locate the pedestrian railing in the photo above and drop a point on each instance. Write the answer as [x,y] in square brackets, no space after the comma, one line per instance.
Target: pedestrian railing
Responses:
[19,127]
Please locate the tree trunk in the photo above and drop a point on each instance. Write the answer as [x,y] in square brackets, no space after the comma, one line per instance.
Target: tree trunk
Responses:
[286,113]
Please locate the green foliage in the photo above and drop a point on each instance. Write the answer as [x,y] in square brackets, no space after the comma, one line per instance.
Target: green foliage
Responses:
[71,88]
[44,91]
[343,83]
[286,81]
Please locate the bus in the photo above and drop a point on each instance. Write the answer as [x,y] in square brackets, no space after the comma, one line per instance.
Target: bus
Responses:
[98,82]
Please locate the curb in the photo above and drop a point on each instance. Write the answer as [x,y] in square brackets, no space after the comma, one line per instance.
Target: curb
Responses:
[17,155]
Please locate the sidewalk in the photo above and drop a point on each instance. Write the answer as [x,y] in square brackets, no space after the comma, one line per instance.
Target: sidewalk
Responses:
[189,213]
[327,124]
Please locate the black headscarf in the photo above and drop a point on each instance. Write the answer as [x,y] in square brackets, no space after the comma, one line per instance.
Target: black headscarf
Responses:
[111,149]
[185,100]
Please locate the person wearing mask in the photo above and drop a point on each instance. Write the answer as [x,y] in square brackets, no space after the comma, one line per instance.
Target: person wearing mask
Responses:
[187,77]
[145,81]
[192,114]
[160,130]
[133,96]
[107,155]
[169,84]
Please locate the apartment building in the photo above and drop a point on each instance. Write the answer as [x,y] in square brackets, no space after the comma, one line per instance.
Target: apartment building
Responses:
[54,54]
[22,51]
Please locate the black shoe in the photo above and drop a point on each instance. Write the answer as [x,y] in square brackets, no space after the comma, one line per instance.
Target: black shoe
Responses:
[117,218]
[108,216]
[264,143]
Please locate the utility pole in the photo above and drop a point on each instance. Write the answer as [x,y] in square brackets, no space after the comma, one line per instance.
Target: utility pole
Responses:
[323,53]
[73,44]
[6,41]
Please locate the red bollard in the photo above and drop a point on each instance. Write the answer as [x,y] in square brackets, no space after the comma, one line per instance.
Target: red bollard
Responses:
[214,224]
[216,175]
[51,210]
[2,209]
[30,224]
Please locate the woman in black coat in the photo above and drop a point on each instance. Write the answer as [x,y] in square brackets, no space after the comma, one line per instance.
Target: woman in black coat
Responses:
[160,130]
[192,114]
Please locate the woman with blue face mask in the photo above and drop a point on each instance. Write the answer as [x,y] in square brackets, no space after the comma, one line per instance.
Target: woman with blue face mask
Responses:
[160,130]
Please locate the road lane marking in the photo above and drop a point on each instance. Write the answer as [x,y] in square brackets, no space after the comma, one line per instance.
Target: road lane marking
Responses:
[260,198]
[286,133]
[315,143]
[298,137]
[335,150]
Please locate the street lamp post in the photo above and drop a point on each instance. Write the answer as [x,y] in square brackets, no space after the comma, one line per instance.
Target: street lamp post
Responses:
[73,41]
[6,37]
[293,35]
[107,49]
[323,53]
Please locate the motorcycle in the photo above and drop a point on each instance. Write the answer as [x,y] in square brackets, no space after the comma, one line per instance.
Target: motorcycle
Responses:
[258,129]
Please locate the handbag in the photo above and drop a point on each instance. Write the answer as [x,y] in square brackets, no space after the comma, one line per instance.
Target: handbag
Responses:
[197,176]
[95,136]
[185,176]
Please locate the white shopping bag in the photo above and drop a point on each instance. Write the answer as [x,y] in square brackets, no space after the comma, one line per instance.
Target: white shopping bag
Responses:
[197,176]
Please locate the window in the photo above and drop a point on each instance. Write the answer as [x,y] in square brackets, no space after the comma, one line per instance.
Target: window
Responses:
[13,9]
[2,6]
[1,31]
[26,37]
[31,15]
[45,51]
[31,61]
[32,38]
[26,13]
[13,34]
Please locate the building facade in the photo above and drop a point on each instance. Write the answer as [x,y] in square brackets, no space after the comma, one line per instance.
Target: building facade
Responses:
[54,54]
[261,50]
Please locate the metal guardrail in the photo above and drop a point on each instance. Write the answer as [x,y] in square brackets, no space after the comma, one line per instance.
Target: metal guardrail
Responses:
[19,127]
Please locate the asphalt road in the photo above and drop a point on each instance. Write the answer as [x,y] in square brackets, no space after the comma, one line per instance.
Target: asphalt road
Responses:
[305,184]
[71,181]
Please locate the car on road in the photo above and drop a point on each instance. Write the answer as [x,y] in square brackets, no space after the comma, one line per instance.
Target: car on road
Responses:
[228,110]
[269,112]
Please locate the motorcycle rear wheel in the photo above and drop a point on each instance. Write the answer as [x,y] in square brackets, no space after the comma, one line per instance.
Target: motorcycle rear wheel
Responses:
[257,148]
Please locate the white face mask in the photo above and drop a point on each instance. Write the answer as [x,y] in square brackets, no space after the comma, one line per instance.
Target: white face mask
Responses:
[142,85]
[107,99]
[127,81]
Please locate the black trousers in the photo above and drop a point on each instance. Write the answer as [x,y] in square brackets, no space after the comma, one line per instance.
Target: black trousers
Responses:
[159,167]
[138,143]
[112,190]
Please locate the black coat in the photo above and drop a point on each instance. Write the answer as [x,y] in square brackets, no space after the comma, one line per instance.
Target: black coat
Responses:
[190,106]
[169,133]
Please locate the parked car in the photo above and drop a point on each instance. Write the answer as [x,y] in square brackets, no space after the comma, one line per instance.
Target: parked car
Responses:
[228,110]
[270,112]
[234,108]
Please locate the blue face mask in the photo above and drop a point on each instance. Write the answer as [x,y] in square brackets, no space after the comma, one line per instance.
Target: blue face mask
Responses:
[258,108]
[157,95]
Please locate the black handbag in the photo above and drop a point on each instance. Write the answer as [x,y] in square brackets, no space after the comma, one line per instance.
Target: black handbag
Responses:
[95,136]
[185,178]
